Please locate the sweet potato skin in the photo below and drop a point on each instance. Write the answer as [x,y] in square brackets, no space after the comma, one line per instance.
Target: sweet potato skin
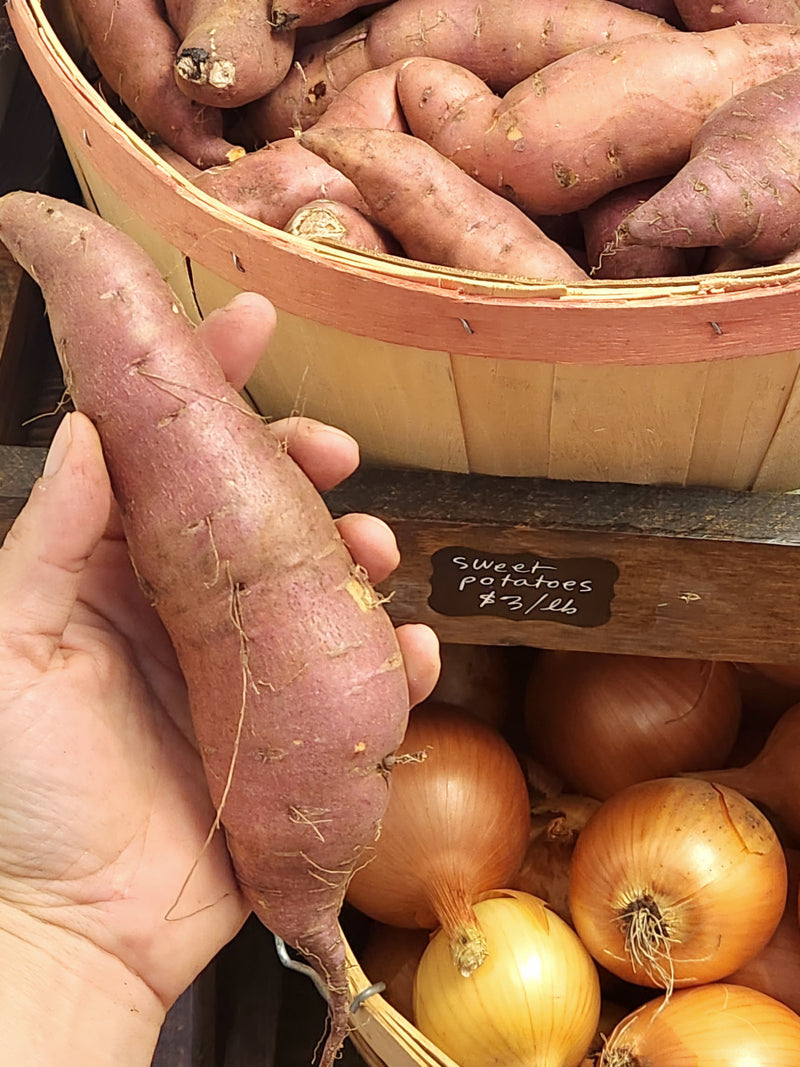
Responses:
[502,42]
[274,181]
[113,34]
[664,9]
[370,99]
[435,210]
[739,190]
[321,69]
[446,105]
[294,674]
[228,55]
[636,128]
[703,15]
[608,259]
[296,14]
[270,184]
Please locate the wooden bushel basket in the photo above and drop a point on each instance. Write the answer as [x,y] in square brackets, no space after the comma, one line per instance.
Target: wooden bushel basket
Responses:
[689,381]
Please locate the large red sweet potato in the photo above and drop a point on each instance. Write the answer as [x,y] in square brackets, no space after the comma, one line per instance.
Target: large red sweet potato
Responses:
[436,211]
[503,42]
[600,118]
[740,189]
[295,679]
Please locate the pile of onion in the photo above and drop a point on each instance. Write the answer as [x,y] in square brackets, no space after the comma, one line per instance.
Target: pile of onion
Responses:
[715,1025]
[676,882]
[456,826]
[535,1002]
[604,721]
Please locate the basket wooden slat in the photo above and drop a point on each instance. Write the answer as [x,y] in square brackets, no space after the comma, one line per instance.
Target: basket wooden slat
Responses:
[383,1035]
[395,386]
[687,381]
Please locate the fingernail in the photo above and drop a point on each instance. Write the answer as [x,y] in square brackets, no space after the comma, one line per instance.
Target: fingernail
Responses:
[59,447]
[314,427]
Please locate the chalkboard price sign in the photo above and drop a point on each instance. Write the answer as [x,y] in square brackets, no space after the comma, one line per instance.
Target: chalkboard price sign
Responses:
[522,587]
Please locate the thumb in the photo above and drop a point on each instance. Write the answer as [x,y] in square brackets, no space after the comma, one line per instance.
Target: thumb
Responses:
[45,551]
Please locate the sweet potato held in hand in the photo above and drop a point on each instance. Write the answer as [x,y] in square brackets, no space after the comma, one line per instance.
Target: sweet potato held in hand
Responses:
[295,679]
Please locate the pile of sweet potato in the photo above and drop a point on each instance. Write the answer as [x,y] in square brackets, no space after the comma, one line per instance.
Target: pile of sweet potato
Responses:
[560,140]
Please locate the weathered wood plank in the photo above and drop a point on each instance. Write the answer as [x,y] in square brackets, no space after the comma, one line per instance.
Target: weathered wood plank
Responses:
[616,568]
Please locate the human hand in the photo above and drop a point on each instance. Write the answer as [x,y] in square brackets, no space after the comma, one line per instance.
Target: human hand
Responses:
[104,810]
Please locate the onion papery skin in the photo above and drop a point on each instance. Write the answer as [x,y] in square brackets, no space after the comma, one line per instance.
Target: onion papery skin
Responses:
[714,1025]
[697,862]
[603,721]
[555,825]
[776,969]
[535,1002]
[770,779]
[456,825]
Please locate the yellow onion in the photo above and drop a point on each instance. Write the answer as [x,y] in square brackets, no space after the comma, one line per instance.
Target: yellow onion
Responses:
[775,970]
[770,777]
[714,1025]
[603,721]
[535,1002]
[555,825]
[675,882]
[455,827]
